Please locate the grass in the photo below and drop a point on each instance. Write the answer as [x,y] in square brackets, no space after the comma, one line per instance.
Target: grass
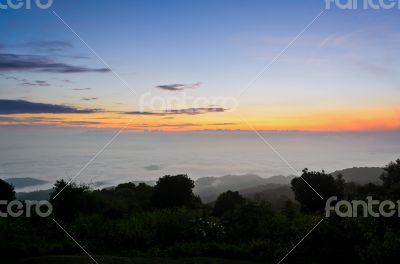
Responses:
[120,260]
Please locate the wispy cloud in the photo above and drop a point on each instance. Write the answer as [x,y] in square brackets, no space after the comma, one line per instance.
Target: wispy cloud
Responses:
[185,111]
[145,113]
[81,89]
[89,98]
[48,46]
[26,107]
[25,82]
[153,167]
[47,121]
[178,86]
[9,77]
[152,126]
[36,83]
[15,62]
[223,124]
[195,111]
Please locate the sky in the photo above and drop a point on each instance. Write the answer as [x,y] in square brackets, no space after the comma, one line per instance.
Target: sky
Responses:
[200,65]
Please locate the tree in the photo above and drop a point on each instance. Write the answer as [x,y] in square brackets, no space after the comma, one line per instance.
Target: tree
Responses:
[289,209]
[310,183]
[227,202]
[7,192]
[70,200]
[391,180]
[391,176]
[124,200]
[174,191]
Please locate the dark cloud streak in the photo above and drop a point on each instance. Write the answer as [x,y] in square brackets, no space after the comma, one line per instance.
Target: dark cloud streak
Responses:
[89,98]
[185,111]
[36,83]
[82,89]
[25,107]
[15,62]
[178,86]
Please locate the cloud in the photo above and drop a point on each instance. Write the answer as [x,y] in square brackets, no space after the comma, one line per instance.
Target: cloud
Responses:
[9,77]
[24,81]
[178,86]
[223,124]
[165,125]
[195,111]
[36,83]
[81,89]
[185,111]
[25,107]
[33,119]
[153,167]
[143,113]
[48,46]
[7,119]
[47,121]
[89,98]
[81,123]
[15,62]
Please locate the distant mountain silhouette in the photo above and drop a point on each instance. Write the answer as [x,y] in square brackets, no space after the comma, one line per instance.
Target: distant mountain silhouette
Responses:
[275,195]
[24,182]
[35,196]
[209,188]
[360,175]
[275,190]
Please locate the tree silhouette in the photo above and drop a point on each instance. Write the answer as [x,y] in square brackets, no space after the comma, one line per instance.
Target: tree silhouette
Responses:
[174,191]
[227,202]
[69,200]
[7,192]
[391,180]
[320,182]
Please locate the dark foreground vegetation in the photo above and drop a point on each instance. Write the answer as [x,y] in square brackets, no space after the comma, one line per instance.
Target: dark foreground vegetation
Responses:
[145,224]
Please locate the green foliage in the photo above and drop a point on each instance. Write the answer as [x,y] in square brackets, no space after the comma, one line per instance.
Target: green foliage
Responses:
[167,221]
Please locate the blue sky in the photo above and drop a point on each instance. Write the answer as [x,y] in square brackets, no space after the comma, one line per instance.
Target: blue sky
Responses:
[348,59]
